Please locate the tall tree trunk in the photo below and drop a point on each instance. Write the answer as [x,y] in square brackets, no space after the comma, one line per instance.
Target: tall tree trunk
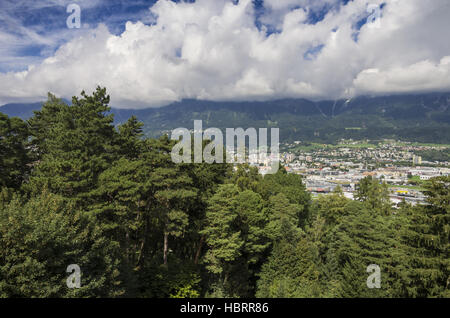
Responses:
[225,279]
[128,254]
[141,253]
[166,246]
[199,250]
[144,240]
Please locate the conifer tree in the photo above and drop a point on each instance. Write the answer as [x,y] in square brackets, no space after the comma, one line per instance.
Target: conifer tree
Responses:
[76,144]
[290,271]
[39,239]
[361,239]
[425,236]
[14,155]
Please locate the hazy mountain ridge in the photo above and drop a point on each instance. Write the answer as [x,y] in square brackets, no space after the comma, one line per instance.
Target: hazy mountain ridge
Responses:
[424,117]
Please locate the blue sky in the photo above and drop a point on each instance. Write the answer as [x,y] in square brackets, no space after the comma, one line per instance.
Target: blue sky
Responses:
[39,27]
[149,53]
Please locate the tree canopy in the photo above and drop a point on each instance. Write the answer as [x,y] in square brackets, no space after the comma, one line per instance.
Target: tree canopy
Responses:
[76,189]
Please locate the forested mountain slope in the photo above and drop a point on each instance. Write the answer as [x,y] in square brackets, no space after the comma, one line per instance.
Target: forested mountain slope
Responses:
[421,118]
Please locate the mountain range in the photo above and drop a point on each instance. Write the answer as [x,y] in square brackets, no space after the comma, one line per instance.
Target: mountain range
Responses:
[419,117]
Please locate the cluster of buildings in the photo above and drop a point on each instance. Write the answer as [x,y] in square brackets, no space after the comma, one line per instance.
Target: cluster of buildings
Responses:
[345,165]
[388,152]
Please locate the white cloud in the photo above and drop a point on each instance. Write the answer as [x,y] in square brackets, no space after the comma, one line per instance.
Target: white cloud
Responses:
[213,50]
[20,32]
[424,75]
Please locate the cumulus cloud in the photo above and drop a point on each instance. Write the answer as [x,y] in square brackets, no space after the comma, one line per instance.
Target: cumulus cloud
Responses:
[424,75]
[214,50]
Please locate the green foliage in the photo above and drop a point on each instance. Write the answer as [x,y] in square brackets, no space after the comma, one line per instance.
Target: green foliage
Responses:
[76,143]
[417,118]
[361,239]
[425,238]
[434,155]
[374,194]
[75,189]
[14,156]
[180,280]
[129,140]
[235,236]
[282,218]
[293,189]
[289,272]
[332,207]
[41,238]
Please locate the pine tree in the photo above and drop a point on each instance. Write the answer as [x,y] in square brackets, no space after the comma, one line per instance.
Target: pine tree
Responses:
[290,271]
[76,143]
[362,238]
[129,139]
[14,155]
[426,242]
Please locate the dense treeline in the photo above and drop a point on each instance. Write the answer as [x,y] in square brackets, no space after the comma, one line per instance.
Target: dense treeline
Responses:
[77,190]
[434,155]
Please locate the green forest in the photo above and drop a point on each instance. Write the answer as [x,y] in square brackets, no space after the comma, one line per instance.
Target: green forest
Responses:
[76,189]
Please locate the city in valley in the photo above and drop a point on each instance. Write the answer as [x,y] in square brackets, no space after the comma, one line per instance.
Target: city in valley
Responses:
[403,166]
